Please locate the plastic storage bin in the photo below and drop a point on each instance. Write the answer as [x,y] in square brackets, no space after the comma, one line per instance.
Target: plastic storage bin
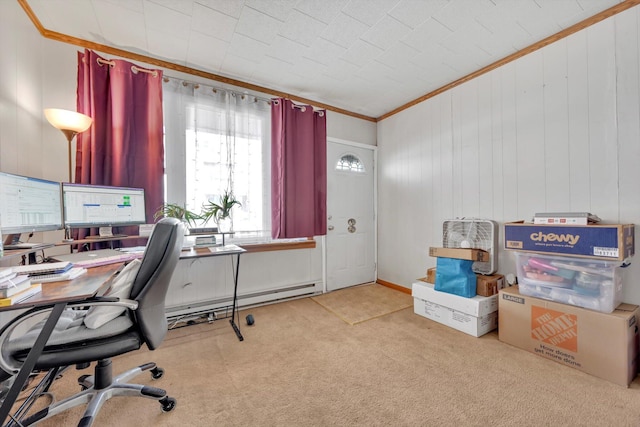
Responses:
[592,284]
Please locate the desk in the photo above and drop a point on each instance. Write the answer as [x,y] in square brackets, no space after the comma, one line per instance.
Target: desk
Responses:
[81,242]
[228,250]
[58,295]
[98,240]
[29,253]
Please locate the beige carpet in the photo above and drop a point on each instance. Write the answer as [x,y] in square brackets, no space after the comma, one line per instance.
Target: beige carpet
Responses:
[300,365]
[365,302]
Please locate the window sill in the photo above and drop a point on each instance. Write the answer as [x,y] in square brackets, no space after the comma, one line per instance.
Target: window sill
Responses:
[278,246]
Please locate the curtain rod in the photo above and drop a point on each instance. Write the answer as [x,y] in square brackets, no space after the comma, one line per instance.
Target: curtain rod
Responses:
[166,78]
[303,108]
[134,68]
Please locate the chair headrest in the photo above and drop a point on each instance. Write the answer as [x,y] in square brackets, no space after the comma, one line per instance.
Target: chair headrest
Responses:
[164,243]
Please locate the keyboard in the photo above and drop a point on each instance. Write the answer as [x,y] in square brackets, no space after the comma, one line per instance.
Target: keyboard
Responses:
[58,277]
[114,259]
[98,237]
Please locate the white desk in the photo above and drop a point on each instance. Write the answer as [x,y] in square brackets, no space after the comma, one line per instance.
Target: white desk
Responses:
[226,250]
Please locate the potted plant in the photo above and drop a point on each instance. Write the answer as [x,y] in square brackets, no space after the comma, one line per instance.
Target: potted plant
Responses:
[173,210]
[221,212]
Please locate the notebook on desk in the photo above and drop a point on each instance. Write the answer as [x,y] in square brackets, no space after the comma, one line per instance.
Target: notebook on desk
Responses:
[43,268]
[87,255]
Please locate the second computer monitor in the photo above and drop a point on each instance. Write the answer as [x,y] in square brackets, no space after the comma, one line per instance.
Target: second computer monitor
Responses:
[29,204]
[102,206]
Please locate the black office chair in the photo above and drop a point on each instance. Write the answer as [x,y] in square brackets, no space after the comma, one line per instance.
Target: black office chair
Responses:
[143,321]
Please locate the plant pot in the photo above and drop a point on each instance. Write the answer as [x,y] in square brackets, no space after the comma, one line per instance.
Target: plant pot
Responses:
[225,225]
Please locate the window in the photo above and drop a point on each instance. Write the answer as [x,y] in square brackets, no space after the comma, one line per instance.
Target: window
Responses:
[217,140]
[350,163]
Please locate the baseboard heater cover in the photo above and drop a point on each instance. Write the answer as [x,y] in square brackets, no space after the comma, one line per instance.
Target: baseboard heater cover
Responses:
[221,305]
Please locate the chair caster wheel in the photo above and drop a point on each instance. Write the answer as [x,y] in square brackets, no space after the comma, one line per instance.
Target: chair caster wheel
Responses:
[157,373]
[250,320]
[168,403]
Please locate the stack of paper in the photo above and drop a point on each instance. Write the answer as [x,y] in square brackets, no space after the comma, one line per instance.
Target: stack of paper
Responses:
[13,284]
[21,296]
[565,218]
[43,268]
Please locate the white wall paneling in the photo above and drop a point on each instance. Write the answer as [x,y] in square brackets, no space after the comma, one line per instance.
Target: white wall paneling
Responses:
[206,284]
[531,171]
[628,116]
[485,149]
[603,138]
[556,130]
[555,143]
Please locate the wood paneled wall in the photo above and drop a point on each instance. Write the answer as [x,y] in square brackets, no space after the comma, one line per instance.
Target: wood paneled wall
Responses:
[556,130]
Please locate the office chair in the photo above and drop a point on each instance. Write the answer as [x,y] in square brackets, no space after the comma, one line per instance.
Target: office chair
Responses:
[73,343]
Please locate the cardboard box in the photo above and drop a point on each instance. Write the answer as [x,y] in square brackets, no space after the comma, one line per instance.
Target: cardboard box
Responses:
[597,241]
[431,275]
[474,316]
[489,285]
[459,253]
[601,344]
[587,283]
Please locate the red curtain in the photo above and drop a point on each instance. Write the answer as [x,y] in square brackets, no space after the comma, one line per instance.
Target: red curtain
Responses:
[298,170]
[124,146]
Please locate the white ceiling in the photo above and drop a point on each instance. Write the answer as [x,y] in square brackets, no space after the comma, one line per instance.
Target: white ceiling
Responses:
[365,56]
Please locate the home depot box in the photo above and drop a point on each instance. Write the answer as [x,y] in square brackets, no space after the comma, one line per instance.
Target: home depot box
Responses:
[489,285]
[475,316]
[601,344]
[609,242]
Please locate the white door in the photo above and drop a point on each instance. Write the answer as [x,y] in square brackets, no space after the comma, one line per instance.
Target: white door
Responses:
[350,238]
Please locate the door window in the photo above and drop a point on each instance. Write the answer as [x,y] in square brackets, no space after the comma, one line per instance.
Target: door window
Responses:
[350,163]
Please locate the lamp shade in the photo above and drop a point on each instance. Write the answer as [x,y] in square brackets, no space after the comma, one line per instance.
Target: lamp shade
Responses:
[66,120]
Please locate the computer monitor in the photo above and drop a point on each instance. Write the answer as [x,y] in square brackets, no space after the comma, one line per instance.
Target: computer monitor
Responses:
[28,204]
[86,206]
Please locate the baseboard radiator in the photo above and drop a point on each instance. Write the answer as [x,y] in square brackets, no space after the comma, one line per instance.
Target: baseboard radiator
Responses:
[221,308]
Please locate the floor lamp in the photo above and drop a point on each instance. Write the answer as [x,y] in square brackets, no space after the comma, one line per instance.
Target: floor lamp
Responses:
[70,123]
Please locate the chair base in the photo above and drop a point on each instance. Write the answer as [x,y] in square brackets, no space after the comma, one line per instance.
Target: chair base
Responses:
[100,387]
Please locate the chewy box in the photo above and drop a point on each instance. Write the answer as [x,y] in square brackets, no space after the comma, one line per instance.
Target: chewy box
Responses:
[474,316]
[608,242]
[601,344]
[593,284]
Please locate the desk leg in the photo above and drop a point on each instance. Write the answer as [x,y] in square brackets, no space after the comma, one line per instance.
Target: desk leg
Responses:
[30,362]
[235,301]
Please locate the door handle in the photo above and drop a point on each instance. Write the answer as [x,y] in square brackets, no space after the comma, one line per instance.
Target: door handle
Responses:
[330,227]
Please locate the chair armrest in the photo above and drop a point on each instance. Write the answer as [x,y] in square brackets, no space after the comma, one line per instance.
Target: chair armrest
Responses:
[98,301]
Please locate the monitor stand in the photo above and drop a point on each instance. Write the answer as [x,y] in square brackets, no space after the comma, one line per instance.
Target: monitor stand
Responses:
[10,239]
[106,233]
[12,242]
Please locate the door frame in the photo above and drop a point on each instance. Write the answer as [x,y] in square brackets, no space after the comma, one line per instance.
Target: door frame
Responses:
[374,149]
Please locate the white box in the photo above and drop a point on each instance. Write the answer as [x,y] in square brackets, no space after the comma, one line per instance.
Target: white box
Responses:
[474,316]
[144,230]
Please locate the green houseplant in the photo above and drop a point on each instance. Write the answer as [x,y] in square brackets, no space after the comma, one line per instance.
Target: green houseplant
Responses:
[220,212]
[180,212]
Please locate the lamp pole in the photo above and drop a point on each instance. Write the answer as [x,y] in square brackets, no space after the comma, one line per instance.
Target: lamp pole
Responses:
[70,134]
